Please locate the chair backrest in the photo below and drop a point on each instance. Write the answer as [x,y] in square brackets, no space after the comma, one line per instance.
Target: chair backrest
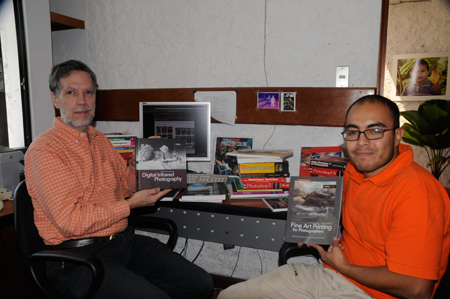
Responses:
[443,289]
[27,236]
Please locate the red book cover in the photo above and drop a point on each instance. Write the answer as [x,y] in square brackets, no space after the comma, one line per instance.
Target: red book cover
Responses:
[267,185]
[319,171]
[308,153]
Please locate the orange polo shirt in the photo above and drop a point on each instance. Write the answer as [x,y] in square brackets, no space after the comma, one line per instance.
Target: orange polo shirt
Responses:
[399,218]
[78,184]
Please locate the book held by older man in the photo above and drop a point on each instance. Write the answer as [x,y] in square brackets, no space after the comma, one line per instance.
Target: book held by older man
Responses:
[314,210]
[160,163]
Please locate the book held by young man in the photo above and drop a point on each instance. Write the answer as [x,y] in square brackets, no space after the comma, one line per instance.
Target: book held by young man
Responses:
[314,210]
[160,163]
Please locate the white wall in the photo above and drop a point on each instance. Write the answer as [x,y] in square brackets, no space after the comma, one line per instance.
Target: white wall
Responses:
[69,44]
[39,56]
[153,44]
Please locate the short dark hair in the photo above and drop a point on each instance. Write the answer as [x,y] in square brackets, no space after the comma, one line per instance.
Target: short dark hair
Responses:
[63,70]
[377,99]
[420,62]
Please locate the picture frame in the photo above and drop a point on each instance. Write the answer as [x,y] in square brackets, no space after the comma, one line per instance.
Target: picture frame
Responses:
[421,76]
[268,100]
[288,101]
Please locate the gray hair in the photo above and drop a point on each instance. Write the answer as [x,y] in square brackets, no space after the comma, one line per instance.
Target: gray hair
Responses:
[64,69]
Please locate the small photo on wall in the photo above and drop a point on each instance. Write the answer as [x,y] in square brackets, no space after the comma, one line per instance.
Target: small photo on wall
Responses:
[288,101]
[420,77]
[268,100]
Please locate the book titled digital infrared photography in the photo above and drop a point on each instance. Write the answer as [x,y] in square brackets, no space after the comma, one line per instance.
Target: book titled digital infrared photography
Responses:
[160,163]
[314,210]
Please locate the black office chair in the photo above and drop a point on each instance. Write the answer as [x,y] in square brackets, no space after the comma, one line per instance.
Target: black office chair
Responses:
[34,253]
[289,250]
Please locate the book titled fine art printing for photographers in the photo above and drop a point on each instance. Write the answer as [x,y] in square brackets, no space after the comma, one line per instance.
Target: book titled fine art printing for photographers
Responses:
[160,163]
[314,210]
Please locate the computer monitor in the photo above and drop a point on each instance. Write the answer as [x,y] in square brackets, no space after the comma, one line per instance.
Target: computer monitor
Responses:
[190,121]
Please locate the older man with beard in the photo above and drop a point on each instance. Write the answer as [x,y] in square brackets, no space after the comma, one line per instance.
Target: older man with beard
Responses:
[82,192]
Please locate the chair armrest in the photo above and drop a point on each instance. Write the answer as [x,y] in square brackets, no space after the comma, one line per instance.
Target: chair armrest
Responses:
[38,270]
[289,250]
[156,223]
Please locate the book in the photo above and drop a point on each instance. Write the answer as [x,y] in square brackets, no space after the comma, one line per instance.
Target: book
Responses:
[266,185]
[265,179]
[239,187]
[330,162]
[264,167]
[310,153]
[235,190]
[261,155]
[206,192]
[265,175]
[171,195]
[160,163]
[277,204]
[224,164]
[320,171]
[124,143]
[314,210]
[254,194]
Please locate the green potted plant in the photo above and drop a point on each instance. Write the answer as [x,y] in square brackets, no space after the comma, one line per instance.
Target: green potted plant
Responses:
[429,127]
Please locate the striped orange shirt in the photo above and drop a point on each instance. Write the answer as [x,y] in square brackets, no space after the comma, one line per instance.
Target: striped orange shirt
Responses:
[78,184]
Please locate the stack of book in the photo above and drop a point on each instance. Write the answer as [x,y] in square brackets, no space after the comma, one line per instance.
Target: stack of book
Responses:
[328,166]
[124,143]
[261,173]
[322,161]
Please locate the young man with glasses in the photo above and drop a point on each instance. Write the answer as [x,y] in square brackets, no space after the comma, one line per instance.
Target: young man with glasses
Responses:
[395,218]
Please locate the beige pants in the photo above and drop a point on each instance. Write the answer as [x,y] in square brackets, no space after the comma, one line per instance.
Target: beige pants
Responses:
[295,281]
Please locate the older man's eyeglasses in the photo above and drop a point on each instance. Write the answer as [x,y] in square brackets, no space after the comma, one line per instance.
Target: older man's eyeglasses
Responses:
[371,134]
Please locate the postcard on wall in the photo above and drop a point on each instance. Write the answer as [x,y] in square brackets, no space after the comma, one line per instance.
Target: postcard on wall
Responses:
[420,77]
[224,164]
[288,101]
[160,163]
[268,100]
[314,210]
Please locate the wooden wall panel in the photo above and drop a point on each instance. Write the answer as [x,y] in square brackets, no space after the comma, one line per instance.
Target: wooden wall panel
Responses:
[314,106]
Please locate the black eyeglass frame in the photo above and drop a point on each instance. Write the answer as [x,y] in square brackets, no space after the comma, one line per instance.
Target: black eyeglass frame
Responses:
[364,132]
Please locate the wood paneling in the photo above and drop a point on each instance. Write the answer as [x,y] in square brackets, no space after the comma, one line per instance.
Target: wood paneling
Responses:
[314,106]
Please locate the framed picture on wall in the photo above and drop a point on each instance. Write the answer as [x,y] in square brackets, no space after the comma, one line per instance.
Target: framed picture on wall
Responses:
[268,100]
[420,77]
[288,101]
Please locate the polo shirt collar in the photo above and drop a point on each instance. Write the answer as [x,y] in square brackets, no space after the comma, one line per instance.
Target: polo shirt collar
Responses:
[69,131]
[405,157]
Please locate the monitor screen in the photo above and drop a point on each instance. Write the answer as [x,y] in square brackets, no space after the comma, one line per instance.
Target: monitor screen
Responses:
[190,121]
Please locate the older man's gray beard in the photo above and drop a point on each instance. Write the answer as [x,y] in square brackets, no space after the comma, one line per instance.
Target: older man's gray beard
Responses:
[81,125]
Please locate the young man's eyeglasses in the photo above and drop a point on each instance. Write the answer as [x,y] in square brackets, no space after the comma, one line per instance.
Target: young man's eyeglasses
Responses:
[371,134]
